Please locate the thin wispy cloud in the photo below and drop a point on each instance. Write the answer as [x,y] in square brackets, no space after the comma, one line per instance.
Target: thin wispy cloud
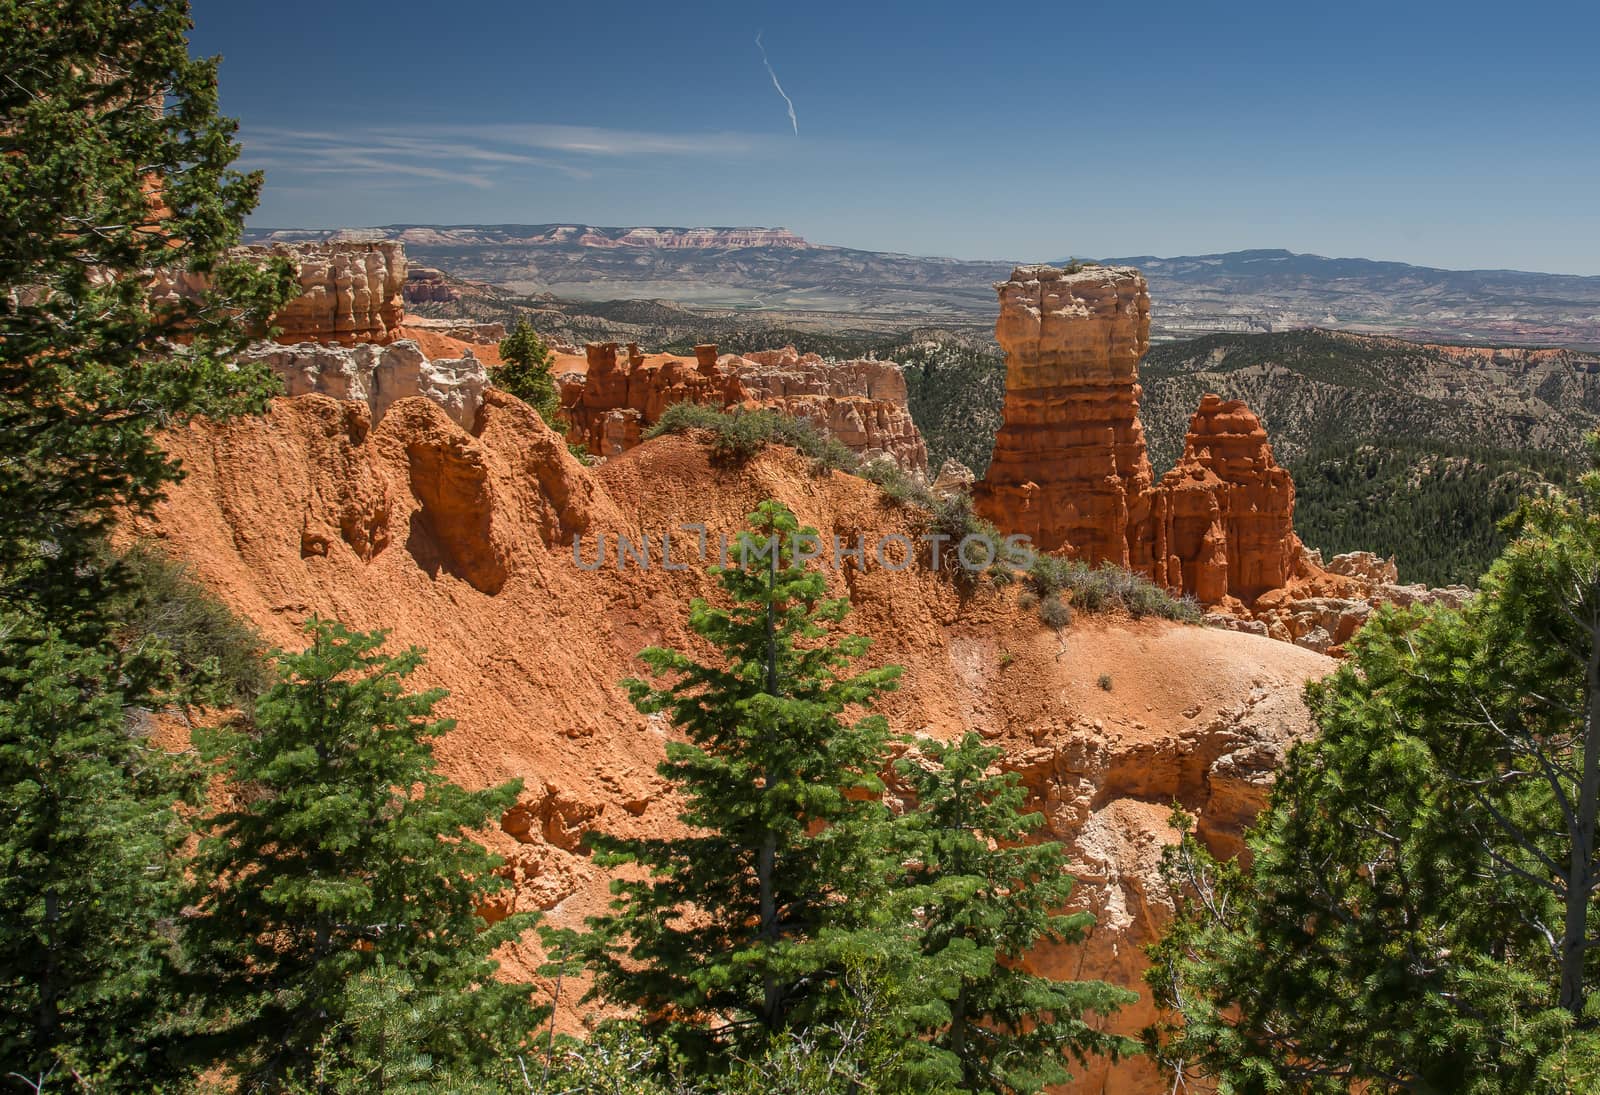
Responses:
[793,121]
[478,156]
[594,141]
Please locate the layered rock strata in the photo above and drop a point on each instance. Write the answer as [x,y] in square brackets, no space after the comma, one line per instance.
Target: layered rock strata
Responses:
[619,391]
[350,292]
[1070,468]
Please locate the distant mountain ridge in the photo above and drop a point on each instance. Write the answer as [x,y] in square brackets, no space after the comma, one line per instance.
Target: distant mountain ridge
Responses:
[555,235]
[776,270]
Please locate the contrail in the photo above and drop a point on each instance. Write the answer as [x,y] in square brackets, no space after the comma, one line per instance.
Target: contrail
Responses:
[792,119]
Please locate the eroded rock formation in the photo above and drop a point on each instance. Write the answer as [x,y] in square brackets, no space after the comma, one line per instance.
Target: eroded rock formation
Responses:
[863,403]
[618,391]
[1224,522]
[462,541]
[1325,604]
[378,375]
[425,284]
[350,292]
[1070,468]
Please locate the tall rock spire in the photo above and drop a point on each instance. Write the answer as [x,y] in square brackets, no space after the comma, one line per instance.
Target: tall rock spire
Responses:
[1070,469]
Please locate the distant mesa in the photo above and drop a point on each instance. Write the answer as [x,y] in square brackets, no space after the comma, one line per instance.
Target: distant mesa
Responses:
[1236,291]
[532,235]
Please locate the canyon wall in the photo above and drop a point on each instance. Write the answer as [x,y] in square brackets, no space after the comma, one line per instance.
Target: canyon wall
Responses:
[616,392]
[1070,468]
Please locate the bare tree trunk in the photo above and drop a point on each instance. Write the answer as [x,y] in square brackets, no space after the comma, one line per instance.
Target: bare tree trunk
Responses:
[48,1016]
[766,860]
[1581,871]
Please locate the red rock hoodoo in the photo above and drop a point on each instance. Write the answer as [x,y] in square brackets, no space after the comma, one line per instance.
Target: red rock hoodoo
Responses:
[1070,468]
[1225,512]
[861,403]
[351,292]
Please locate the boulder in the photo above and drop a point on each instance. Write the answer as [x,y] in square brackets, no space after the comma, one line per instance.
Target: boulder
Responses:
[954,478]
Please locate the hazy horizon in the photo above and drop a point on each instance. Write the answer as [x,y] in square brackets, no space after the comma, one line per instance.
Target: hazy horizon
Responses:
[1002,259]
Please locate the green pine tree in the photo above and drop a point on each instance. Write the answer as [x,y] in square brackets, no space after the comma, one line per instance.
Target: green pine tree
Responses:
[88,839]
[113,162]
[1425,879]
[526,372]
[986,897]
[745,927]
[345,848]
[385,1039]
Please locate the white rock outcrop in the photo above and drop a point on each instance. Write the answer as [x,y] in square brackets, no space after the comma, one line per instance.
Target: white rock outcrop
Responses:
[378,375]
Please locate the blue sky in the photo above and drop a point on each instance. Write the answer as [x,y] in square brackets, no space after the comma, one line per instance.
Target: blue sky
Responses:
[1448,134]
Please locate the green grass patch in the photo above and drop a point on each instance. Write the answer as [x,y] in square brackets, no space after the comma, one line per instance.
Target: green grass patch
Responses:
[166,616]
